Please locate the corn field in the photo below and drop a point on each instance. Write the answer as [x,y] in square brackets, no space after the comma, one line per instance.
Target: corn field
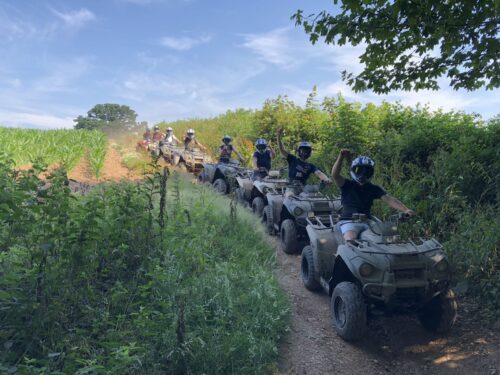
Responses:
[66,147]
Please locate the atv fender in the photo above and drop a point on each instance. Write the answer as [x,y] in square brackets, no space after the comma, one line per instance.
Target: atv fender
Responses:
[324,244]
[275,201]
[247,185]
[345,267]
[209,172]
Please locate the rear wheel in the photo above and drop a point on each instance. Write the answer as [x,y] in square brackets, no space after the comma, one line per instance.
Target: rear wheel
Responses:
[309,274]
[348,311]
[220,186]
[267,219]
[289,243]
[258,206]
[440,313]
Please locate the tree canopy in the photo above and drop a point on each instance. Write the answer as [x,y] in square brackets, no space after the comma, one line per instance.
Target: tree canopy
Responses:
[412,43]
[106,116]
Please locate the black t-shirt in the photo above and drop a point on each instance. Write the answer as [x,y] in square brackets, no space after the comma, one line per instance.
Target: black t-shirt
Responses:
[299,170]
[264,159]
[358,198]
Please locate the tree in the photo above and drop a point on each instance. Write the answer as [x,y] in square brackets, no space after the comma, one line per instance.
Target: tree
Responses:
[411,43]
[108,115]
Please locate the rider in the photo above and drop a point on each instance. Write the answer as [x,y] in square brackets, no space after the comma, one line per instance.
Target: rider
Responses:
[299,169]
[359,193]
[157,135]
[262,158]
[190,141]
[147,134]
[170,138]
[227,149]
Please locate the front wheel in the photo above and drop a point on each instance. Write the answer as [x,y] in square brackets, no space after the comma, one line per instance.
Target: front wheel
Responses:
[440,313]
[258,206]
[289,243]
[348,311]
[309,274]
[220,186]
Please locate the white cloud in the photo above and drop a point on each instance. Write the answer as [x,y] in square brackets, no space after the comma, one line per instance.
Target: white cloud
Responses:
[76,19]
[273,47]
[38,120]
[183,43]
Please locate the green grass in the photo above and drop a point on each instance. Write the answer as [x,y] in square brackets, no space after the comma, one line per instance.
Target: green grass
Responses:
[65,147]
[129,280]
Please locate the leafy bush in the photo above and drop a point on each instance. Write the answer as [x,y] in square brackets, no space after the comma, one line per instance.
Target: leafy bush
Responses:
[131,278]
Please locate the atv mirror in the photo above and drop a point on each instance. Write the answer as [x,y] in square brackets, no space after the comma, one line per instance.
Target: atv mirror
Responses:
[274,174]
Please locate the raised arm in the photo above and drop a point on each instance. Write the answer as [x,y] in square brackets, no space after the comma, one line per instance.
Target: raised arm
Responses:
[283,151]
[337,167]
[176,139]
[273,154]
[397,204]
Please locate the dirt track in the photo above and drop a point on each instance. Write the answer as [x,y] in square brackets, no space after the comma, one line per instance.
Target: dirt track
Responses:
[393,345]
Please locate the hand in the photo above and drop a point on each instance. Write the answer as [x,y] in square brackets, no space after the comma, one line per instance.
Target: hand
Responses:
[345,152]
[327,181]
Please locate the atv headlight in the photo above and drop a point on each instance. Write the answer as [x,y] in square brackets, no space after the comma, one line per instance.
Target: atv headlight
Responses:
[366,269]
[297,211]
[442,266]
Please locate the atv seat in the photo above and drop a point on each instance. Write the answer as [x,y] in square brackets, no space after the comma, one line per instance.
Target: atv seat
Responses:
[384,228]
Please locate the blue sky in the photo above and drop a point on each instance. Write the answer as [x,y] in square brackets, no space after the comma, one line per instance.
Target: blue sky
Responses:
[174,59]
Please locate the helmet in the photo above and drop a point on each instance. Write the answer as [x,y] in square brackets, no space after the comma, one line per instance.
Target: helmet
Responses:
[304,150]
[156,128]
[170,130]
[190,133]
[362,169]
[226,139]
[261,145]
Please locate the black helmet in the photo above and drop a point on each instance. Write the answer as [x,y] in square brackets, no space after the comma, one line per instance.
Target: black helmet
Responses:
[226,139]
[362,169]
[304,150]
[261,145]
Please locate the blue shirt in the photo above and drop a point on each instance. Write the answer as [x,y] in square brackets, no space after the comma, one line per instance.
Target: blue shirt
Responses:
[264,159]
[299,170]
[358,199]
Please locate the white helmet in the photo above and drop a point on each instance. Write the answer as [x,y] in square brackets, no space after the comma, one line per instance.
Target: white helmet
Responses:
[170,130]
[190,133]
[362,169]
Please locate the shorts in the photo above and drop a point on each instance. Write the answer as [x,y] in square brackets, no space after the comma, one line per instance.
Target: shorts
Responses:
[348,225]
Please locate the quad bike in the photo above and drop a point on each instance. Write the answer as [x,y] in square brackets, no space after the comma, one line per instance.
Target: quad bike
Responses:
[287,215]
[253,193]
[223,176]
[192,160]
[377,272]
[168,151]
[143,145]
[154,149]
